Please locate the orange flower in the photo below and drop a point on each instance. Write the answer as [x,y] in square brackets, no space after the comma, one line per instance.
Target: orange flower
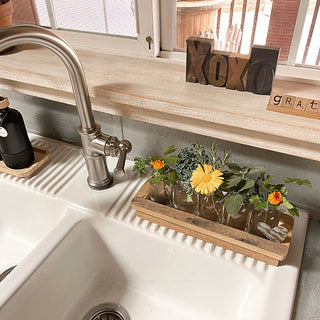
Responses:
[275,197]
[158,164]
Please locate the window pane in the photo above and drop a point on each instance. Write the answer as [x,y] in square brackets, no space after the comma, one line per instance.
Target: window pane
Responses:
[309,48]
[238,24]
[31,11]
[102,16]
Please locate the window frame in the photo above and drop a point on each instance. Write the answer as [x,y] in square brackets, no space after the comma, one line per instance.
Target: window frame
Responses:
[148,25]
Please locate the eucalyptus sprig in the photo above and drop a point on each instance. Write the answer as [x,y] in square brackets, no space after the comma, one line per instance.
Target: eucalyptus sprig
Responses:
[273,195]
[162,167]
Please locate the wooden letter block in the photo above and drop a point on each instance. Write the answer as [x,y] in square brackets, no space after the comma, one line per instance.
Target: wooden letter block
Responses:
[275,100]
[288,101]
[237,72]
[218,70]
[313,105]
[197,53]
[262,68]
[300,104]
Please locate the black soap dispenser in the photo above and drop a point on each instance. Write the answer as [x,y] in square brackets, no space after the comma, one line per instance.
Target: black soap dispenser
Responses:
[15,147]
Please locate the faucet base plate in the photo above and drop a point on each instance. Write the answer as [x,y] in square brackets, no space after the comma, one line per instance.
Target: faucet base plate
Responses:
[105,184]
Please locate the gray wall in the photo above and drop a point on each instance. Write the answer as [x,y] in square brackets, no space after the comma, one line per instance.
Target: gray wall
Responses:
[59,121]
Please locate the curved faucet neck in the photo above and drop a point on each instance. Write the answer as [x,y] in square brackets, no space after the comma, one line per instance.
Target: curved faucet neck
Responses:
[25,34]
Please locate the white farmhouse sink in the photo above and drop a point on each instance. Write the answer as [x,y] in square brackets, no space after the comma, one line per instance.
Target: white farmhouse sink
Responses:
[84,248]
[154,274]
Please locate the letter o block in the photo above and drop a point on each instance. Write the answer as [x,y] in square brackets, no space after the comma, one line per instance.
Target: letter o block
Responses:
[218,71]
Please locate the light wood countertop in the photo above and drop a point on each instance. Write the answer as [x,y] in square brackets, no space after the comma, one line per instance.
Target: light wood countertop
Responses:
[154,90]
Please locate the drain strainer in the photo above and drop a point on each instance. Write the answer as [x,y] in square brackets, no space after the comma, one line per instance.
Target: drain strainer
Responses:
[107,311]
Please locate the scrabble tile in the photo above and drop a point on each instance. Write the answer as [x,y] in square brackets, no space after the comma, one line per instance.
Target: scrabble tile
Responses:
[288,101]
[275,100]
[313,105]
[300,103]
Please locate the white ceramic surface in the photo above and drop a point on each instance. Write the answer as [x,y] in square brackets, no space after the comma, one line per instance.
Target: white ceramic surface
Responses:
[99,252]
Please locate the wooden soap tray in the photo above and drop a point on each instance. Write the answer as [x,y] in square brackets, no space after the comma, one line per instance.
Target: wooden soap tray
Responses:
[220,235]
[40,157]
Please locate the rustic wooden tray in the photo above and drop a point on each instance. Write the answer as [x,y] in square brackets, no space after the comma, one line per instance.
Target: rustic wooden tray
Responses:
[40,157]
[213,232]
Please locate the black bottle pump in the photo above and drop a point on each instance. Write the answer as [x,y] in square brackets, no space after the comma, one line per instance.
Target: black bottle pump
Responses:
[15,147]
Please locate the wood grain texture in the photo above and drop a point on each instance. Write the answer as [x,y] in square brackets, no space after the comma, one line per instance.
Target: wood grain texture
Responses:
[212,232]
[237,72]
[41,156]
[155,91]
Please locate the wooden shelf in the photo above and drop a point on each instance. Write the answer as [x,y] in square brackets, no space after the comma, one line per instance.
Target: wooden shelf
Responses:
[154,90]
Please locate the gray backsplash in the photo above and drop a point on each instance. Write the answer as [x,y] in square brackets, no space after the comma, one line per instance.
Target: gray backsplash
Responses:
[60,121]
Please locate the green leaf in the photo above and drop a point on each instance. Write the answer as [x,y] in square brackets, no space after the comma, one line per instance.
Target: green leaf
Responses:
[155,179]
[249,183]
[232,181]
[260,204]
[253,198]
[304,182]
[154,158]
[266,182]
[287,204]
[234,167]
[257,170]
[172,178]
[169,150]
[294,211]
[171,160]
[233,203]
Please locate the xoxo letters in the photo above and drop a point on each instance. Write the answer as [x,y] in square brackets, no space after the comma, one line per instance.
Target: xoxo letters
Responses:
[230,70]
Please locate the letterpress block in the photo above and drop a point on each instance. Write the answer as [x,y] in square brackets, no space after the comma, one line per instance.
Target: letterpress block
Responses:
[218,70]
[300,103]
[288,101]
[262,68]
[197,56]
[275,100]
[237,72]
[313,105]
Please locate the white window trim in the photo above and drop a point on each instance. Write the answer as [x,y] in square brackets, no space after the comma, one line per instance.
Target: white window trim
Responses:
[148,25]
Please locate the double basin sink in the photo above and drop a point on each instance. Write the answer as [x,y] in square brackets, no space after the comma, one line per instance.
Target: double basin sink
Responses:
[75,249]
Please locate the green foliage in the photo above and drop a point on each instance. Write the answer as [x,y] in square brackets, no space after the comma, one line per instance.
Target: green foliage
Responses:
[263,188]
[166,174]
[238,183]
[233,203]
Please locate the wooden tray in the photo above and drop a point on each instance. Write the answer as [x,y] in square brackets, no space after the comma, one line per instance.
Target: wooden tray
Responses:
[40,157]
[213,232]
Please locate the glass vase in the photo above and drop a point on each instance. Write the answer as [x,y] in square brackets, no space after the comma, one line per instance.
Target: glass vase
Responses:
[160,193]
[181,200]
[240,220]
[208,207]
[269,216]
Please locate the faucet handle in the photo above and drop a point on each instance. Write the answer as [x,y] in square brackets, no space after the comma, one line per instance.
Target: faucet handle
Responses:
[125,147]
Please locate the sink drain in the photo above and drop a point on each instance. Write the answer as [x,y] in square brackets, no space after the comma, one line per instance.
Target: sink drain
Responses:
[107,312]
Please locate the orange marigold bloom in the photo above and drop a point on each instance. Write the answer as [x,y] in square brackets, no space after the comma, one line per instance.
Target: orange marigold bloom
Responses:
[275,197]
[157,164]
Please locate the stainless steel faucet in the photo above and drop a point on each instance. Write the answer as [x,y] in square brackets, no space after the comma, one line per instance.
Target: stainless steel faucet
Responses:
[96,145]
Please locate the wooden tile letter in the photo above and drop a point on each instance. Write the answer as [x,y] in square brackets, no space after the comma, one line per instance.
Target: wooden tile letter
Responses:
[237,72]
[313,105]
[197,53]
[275,100]
[300,104]
[288,101]
[262,68]
[218,70]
